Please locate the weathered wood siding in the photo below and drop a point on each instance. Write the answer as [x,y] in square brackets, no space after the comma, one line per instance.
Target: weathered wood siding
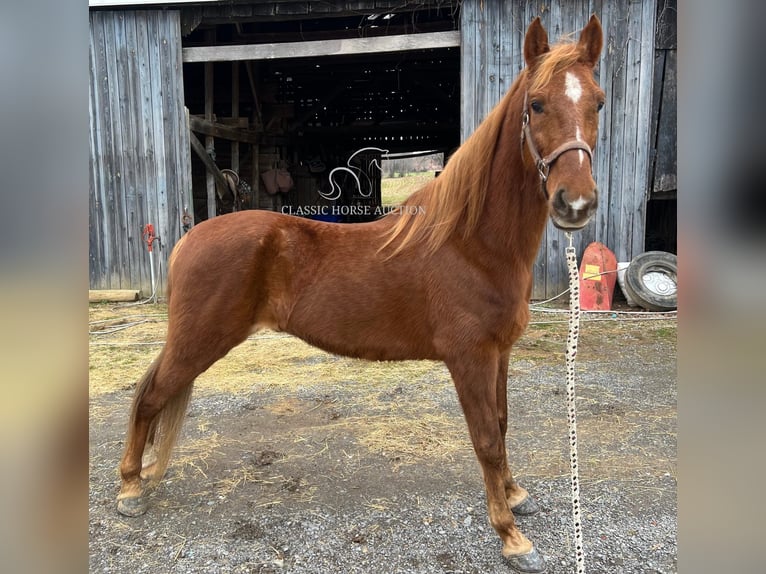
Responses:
[492,39]
[139,145]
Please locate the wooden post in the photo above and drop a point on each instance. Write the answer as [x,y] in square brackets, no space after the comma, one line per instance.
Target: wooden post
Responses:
[209,140]
[258,121]
[256,174]
[235,113]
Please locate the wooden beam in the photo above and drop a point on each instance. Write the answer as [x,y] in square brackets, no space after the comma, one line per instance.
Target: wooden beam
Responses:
[344,47]
[100,295]
[219,130]
[305,35]
[251,79]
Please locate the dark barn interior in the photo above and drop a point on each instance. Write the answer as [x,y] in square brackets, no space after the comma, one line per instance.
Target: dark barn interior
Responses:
[310,115]
[661,209]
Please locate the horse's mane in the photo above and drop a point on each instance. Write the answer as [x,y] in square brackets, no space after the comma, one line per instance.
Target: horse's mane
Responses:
[456,198]
[457,195]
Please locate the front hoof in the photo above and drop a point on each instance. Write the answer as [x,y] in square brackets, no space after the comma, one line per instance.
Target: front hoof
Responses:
[529,563]
[526,507]
[132,506]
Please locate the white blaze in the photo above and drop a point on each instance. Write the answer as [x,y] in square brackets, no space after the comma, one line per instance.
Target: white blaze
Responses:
[578,137]
[573,90]
[572,87]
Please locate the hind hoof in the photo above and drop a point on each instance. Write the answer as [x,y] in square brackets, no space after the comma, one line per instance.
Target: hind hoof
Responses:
[526,507]
[529,563]
[133,506]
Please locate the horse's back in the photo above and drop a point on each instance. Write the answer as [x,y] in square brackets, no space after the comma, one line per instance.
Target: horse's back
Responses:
[326,283]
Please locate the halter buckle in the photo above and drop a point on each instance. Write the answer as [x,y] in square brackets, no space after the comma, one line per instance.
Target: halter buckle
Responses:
[543,169]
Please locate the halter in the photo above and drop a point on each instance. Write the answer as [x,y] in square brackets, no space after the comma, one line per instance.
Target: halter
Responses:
[543,164]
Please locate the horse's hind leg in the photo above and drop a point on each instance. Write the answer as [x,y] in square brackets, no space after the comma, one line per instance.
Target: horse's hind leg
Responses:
[519,500]
[164,386]
[160,404]
[475,380]
[149,459]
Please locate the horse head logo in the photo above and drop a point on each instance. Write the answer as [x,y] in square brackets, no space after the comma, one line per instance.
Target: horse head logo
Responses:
[357,174]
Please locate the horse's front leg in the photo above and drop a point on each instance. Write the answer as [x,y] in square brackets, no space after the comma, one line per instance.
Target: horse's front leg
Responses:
[475,379]
[519,500]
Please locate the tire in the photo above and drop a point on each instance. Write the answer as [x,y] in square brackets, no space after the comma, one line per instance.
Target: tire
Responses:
[651,280]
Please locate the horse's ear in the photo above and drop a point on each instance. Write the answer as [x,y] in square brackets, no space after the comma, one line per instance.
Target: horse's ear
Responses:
[535,43]
[591,41]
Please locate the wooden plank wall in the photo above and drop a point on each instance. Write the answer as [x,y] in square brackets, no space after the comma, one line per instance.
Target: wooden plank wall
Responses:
[492,38]
[139,145]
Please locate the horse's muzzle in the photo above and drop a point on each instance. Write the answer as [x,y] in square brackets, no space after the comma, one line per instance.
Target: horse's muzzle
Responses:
[572,214]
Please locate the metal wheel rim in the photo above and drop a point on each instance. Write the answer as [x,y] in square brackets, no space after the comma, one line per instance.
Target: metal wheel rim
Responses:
[660,283]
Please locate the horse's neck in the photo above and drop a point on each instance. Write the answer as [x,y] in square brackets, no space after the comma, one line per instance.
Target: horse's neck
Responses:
[515,211]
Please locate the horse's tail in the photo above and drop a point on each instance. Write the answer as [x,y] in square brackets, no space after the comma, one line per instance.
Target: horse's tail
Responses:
[167,423]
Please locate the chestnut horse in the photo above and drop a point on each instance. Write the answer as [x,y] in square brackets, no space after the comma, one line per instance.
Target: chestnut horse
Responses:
[449,280]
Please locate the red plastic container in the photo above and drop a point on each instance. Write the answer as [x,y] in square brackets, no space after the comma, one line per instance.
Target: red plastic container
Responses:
[598,274]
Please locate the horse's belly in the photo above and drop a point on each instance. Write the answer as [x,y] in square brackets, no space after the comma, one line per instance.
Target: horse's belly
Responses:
[368,329]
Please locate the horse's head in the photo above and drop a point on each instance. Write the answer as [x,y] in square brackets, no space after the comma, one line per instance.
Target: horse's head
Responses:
[560,120]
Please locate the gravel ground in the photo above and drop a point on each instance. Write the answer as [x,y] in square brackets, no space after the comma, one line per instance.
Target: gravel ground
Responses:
[268,483]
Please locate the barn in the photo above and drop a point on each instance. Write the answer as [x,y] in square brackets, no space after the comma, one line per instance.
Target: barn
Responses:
[202,107]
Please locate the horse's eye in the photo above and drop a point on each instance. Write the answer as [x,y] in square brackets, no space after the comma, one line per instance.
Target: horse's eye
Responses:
[537,107]
[600,105]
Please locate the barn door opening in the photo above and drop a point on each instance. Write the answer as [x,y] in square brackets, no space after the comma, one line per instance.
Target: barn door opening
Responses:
[328,100]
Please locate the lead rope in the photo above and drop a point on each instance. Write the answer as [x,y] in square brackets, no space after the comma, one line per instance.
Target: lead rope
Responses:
[574,329]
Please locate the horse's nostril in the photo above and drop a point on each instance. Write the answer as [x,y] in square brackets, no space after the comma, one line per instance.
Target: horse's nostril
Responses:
[559,203]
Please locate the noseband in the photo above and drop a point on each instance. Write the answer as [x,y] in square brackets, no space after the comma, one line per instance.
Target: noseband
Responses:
[543,164]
